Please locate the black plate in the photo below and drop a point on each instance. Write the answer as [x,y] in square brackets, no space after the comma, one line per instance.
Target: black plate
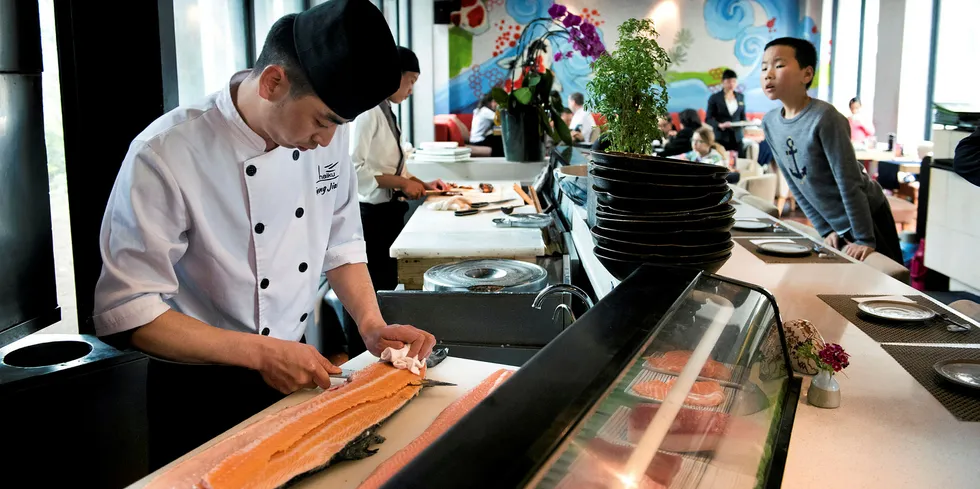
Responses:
[678,238]
[668,259]
[656,164]
[623,268]
[657,178]
[714,212]
[646,205]
[662,249]
[721,224]
[622,188]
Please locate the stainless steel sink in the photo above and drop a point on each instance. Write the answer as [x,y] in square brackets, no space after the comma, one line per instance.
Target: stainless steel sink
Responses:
[497,327]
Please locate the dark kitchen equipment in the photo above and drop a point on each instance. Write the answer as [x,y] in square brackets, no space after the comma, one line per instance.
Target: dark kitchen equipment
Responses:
[489,275]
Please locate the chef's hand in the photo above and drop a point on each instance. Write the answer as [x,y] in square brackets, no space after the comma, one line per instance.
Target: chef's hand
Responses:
[725,125]
[437,184]
[289,366]
[858,252]
[414,190]
[832,240]
[396,336]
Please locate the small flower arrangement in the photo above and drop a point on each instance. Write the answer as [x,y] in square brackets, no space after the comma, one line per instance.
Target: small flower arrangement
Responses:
[831,357]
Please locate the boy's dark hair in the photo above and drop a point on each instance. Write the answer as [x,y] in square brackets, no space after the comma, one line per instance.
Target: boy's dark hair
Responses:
[566,110]
[806,54]
[728,73]
[280,50]
[690,119]
[853,101]
[578,98]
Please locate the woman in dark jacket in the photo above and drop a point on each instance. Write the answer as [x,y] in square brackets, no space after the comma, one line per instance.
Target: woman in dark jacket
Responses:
[681,143]
[725,107]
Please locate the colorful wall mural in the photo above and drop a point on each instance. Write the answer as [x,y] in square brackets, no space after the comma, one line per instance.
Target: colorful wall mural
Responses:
[702,37]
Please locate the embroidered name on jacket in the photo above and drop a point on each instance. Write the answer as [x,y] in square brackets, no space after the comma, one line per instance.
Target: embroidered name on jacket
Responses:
[326,175]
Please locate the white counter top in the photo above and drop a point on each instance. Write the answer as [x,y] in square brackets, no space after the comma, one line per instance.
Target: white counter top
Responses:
[430,233]
[480,169]
[889,432]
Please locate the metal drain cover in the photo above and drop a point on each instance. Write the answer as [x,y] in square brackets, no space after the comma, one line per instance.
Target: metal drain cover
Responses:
[491,275]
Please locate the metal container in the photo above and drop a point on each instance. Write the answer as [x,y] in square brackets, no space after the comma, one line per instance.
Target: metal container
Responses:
[490,275]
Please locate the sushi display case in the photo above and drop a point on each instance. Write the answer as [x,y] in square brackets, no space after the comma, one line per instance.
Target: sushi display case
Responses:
[676,379]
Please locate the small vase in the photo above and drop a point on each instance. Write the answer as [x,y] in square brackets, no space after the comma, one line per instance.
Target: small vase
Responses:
[824,390]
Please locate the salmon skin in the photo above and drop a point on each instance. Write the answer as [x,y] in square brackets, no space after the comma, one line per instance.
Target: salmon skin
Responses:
[338,424]
[446,419]
[692,430]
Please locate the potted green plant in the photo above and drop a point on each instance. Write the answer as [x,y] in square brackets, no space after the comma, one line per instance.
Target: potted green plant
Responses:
[528,108]
[629,89]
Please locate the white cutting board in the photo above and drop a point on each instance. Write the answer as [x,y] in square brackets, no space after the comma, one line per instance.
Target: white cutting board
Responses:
[399,430]
[431,233]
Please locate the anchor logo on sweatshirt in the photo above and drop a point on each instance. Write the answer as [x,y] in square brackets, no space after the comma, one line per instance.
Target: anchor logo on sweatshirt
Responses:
[795,171]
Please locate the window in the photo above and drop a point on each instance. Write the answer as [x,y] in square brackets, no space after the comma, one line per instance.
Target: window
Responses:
[210,45]
[267,12]
[956,73]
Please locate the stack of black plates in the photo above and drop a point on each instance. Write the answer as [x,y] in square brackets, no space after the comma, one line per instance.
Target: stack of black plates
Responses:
[660,211]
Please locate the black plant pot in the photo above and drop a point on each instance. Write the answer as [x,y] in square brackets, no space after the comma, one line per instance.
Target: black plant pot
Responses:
[522,139]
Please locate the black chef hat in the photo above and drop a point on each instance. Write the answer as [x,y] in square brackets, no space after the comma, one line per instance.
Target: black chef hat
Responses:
[348,54]
[407,60]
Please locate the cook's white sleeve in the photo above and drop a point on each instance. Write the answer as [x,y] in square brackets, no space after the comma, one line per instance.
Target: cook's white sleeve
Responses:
[143,235]
[364,131]
[346,243]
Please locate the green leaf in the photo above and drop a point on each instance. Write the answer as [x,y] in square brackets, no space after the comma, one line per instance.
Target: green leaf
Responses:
[523,95]
[561,129]
[543,87]
[543,120]
[533,80]
[500,95]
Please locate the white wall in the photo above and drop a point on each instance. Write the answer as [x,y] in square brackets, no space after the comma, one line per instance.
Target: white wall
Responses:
[957,71]
[915,72]
[888,66]
[424,91]
[869,68]
[846,39]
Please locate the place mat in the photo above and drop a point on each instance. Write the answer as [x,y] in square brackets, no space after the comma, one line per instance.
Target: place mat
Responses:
[775,230]
[961,401]
[811,258]
[931,331]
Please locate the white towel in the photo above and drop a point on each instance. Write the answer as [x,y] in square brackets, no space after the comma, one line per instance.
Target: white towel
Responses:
[399,359]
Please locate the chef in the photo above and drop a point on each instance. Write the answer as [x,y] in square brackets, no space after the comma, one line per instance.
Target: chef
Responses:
[383,181]
[223,217]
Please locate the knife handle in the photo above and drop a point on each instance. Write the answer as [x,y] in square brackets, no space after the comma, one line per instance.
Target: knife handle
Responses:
[468,212]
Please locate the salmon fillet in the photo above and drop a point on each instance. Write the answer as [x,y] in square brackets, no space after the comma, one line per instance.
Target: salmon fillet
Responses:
[301,438]
[693,430]
[674,361]
[598,465]
[446,419]
[703,393]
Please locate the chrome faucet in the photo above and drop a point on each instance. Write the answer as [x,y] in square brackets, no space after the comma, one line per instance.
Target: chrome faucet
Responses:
[561,288]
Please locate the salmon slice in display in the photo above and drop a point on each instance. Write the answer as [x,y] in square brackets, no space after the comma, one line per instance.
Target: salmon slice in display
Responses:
[693,430]
[674,361]
[336,425]
[446,419]
[704,393]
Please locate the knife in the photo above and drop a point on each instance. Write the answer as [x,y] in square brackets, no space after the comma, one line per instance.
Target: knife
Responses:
[346,373]
[479,205]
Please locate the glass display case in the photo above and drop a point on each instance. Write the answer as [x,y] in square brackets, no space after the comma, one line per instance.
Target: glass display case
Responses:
[676,379]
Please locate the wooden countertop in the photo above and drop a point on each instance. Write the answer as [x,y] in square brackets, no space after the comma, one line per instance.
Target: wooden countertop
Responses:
[399,430]
[889,432]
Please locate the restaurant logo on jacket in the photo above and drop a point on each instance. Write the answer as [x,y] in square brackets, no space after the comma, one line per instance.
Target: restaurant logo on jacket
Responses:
[326,174]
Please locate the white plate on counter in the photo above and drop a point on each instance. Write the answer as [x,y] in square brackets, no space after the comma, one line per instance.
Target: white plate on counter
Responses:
[896,310]
[964,372]
[751,225]
[784,249]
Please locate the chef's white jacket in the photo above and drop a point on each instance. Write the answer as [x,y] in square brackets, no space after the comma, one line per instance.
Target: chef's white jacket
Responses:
[374,151]
[203,220]
[584,122]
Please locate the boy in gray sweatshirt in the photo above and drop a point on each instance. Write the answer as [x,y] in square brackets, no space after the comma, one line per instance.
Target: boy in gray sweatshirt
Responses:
[811,143]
